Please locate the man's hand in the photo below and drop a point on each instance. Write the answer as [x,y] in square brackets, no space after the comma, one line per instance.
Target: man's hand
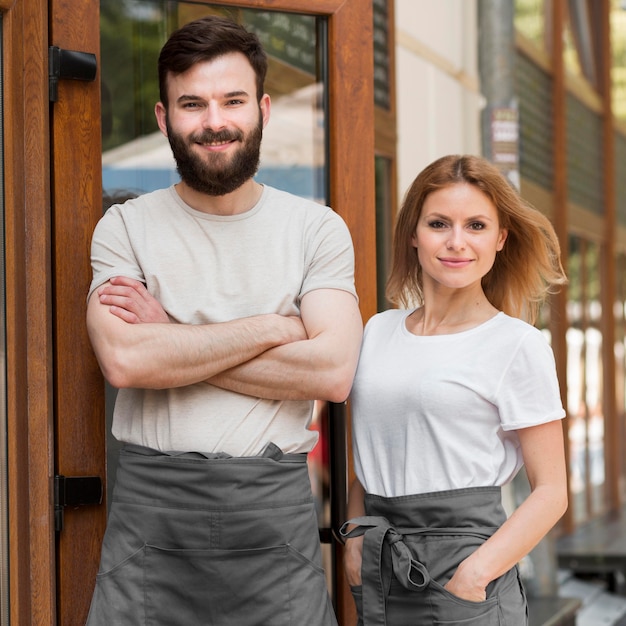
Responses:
[129,300]
[163,356]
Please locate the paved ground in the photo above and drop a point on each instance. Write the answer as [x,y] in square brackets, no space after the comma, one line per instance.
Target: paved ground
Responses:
[599,606]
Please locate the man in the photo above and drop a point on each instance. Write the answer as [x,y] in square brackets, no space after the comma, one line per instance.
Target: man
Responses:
[221,309]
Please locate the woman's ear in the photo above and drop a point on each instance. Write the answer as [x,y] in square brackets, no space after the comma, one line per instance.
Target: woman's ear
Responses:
[503,235]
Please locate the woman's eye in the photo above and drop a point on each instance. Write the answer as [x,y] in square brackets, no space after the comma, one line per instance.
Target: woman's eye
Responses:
[436,224]
[477,226]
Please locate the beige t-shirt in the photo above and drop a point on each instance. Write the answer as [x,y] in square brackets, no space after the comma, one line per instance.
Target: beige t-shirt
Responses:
[205,269]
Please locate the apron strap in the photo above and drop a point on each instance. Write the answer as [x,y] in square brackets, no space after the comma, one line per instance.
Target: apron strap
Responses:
[376,570]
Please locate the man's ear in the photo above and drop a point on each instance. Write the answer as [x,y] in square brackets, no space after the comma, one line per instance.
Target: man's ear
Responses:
[160,113]
[265,104]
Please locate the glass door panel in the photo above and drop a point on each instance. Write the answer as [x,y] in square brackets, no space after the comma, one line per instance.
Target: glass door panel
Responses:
[136,156]
[384,228]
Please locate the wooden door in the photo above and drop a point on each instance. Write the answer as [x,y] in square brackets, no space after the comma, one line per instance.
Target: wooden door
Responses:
[76,200]
[53,188]
[53,387]
[50,371]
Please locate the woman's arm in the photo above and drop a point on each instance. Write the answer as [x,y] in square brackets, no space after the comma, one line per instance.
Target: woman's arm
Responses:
[544,458]
[353,553]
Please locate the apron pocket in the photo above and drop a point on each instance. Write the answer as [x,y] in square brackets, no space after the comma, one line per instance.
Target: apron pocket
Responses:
[449,610]
[313,607]
[434,605]
[120,587]
[233,588]
[238,587]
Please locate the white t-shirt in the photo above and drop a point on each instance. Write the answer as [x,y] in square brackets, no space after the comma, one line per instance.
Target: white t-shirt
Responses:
[432,413]
[205,269]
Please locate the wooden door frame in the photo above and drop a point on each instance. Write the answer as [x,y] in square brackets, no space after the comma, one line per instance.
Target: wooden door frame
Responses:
[79,400]
[45,301]
[29,351]
[49,361]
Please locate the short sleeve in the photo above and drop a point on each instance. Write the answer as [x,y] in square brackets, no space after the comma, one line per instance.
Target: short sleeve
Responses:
[330,262]
[528,393]
[111,250]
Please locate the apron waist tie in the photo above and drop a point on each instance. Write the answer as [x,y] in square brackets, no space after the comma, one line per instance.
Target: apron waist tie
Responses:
[376,571]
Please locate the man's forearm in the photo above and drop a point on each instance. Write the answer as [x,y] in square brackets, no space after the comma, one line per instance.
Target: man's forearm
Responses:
[272,376]
[157,356]
[314,369]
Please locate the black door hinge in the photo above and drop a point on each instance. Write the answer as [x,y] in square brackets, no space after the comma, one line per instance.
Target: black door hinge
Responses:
[69,65]
[74,491]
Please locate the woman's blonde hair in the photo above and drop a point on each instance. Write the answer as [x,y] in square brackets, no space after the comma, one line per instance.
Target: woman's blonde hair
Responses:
[525,271]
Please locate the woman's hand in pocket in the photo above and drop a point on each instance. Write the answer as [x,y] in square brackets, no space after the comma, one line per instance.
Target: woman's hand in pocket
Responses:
[465,585]
[353,558]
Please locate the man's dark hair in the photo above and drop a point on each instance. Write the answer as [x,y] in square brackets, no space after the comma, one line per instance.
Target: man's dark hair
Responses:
[206,39]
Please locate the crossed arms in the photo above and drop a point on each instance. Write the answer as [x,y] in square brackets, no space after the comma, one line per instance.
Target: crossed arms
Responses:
[268,356]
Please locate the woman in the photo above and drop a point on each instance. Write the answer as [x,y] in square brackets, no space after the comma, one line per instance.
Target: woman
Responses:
[450,399]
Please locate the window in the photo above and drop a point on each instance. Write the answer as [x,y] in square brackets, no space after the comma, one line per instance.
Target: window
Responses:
[584,380]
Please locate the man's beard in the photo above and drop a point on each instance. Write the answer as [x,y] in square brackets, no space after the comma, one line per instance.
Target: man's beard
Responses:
[214,175]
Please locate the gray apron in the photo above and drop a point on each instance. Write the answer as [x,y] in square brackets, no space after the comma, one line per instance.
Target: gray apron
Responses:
[196,539]
[412,547]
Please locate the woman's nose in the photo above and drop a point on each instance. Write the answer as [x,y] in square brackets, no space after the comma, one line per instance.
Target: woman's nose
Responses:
[456,240]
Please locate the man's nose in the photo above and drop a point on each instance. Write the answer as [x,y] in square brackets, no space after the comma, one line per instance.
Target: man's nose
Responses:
[213,118]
